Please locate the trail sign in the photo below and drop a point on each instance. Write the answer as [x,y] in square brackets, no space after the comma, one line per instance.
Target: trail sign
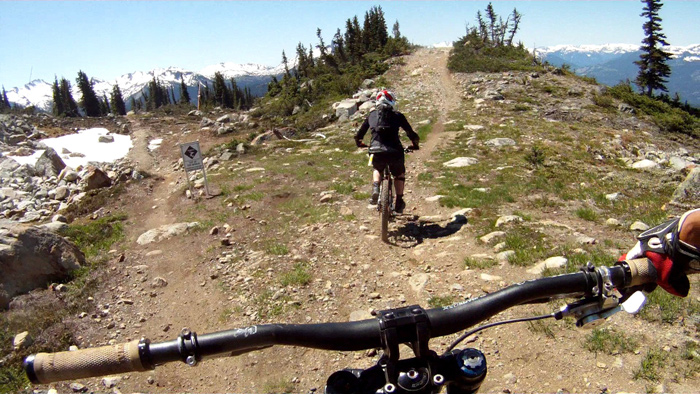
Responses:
[192,156]
[192,160]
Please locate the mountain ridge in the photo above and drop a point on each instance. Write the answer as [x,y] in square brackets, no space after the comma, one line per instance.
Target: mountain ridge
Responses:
[39,93]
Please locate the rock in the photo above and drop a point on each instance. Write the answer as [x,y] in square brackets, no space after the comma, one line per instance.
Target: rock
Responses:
[32,256]
[508,219]
[639,226]
[626,108]
[473,127]
[490,278]
[434,198]
[418,282]
[552,262]
[612,196]
[613,222]
[504,257]
[461,162]
[346,109]
[110,382]
[488,238]
[159,282]
[49,163]
[689,190]
[78,388]
[22,341]
[61,193]
[95,179]
[106,138]
[498,142]
[493,95]
[328,197]
[645,164]
[164,232]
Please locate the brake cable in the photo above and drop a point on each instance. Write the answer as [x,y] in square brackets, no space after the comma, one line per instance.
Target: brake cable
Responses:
[498,323]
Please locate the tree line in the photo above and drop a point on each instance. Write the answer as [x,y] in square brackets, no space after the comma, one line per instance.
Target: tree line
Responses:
[335,69]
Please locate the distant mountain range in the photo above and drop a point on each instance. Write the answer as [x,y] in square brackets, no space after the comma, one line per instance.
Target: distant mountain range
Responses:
[39,93]
[609,64]
[612,63]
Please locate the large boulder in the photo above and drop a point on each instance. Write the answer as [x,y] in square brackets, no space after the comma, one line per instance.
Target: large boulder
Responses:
[49,163]
[689,190]
[95,178]
[346,109]
[31,257]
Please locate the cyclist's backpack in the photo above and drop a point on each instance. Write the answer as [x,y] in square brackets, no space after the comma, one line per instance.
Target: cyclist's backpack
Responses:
[384,114]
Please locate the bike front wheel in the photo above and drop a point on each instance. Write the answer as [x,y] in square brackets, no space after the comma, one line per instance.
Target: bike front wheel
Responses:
[385,204]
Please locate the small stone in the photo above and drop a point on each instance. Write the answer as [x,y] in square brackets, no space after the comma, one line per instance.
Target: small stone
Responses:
[150,380]
[111,381]
[78,388]
[214,230]
[159,282]
[639,226]
[612,222]
[22,340]
[374,296]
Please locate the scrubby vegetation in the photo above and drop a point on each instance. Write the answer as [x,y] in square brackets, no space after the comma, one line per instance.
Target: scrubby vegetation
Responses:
[489,46]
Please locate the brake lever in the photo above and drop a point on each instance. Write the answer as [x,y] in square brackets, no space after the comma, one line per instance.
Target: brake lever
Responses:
[591,312]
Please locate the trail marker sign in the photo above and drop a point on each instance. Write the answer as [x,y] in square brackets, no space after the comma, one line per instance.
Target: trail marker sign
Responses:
[192,156]
[192,161]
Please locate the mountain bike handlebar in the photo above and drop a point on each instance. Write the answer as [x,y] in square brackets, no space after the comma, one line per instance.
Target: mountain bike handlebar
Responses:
[404,325]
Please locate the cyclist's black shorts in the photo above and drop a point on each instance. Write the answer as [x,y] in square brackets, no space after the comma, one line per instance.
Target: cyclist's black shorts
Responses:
[395,161]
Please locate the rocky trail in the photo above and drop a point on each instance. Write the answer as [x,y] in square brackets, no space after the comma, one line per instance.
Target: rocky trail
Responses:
[250,261]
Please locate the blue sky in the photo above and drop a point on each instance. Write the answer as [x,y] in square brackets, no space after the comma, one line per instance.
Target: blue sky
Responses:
[106,39]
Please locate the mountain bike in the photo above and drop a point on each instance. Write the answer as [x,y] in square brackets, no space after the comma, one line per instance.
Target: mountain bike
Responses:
[596,290]
[385,204]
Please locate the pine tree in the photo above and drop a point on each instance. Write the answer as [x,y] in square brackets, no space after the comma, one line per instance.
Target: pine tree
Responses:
[104,105]
[338,45]
[222,95]
[395,30]
[653,69]
[89,102]
[69,105]
[58,104]
[118,106]
[4,102]
[184,95]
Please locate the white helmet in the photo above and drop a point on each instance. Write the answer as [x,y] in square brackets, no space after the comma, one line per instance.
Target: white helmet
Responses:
[386,97]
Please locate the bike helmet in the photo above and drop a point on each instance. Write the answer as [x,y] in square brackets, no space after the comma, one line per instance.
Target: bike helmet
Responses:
[386,97]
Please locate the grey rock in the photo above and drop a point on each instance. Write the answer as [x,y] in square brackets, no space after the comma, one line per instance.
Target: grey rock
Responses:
[689,190]
[32,256]
[106,139]
[49,163]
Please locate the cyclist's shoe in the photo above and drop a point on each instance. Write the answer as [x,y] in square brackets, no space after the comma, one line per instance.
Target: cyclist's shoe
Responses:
[375,195]
[399,206]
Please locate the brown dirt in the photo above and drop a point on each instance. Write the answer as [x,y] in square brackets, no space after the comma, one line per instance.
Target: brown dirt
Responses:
[348,264]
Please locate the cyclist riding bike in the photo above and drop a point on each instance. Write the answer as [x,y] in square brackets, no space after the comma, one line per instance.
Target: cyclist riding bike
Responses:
[385,145]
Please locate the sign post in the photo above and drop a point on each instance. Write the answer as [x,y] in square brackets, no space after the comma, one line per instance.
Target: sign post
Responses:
[193,161]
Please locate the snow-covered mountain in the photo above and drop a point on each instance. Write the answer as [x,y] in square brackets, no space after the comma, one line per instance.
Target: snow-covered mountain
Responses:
[253,76]
[612,63]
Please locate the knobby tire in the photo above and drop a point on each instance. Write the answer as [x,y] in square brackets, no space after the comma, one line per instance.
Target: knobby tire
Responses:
[385,201]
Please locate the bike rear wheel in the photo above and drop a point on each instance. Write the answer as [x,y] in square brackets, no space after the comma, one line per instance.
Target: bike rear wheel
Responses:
[385,204]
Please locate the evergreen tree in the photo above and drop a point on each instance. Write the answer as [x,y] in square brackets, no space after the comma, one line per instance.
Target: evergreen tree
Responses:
[653,69]
[222,95]
[89,102]
[395,30]
[338,46]
[514,29]
[184,95]
[58,104]
[4,102]
[117,104]
[69,105]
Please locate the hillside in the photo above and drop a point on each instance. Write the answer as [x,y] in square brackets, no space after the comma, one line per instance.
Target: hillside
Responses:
[290,238]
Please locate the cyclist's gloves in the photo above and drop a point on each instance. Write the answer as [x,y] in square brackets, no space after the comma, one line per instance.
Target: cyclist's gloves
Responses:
[670,256]
[415,145]
[359,143]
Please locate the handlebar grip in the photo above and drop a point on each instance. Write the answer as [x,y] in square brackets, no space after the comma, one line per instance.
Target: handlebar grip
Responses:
[100,361]
[642,271]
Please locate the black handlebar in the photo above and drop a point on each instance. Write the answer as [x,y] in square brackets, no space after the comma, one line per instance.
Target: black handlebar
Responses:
[406,325]
[365,334]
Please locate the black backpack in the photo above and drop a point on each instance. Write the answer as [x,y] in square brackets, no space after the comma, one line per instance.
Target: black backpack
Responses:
[384,115]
